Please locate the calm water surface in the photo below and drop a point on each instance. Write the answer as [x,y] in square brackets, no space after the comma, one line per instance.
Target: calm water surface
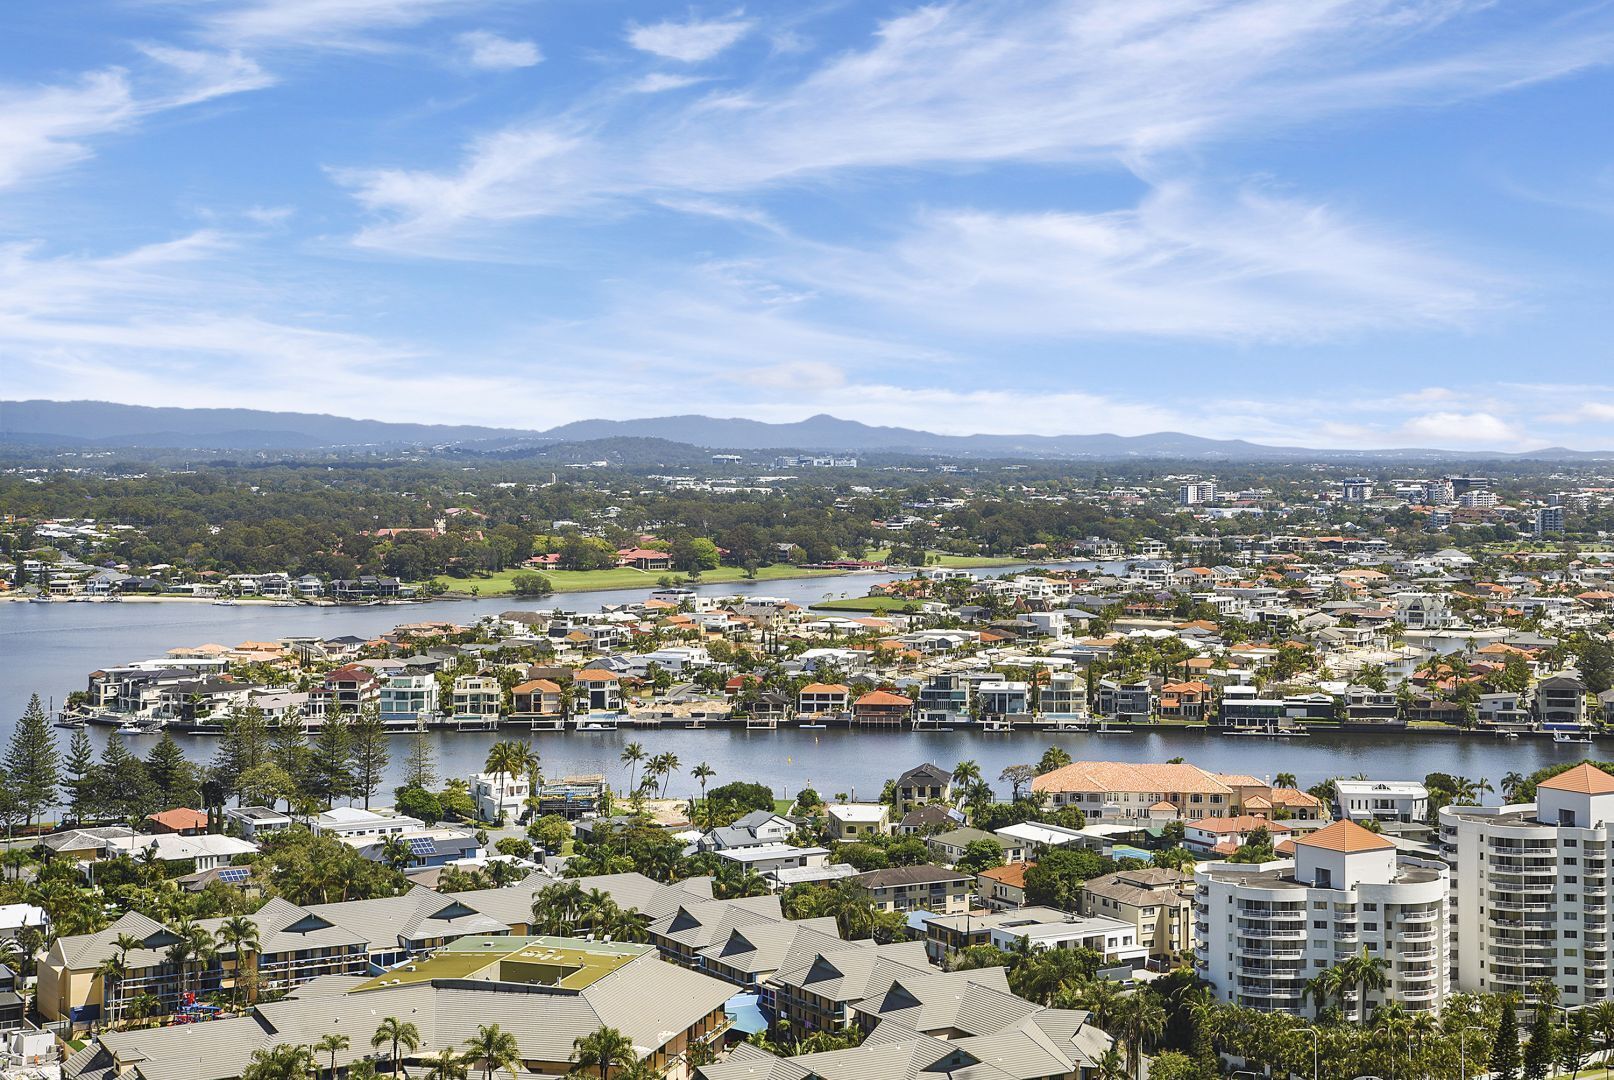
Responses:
[51,648]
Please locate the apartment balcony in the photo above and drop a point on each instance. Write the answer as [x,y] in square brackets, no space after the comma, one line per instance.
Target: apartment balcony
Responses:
[1420,916]
[1419,993]
[1295,953]
[1419,935]
[1291,933]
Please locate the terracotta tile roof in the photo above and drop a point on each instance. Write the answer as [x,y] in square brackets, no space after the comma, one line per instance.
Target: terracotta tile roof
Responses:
[1348,836]
[1244,823]
[824,688]
[536,686]
[1124,776]
[1010,874]
[1584,779]
[883,697]
[597,675]
[180,818]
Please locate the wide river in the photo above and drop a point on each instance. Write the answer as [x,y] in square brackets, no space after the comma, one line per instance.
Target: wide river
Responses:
[51,648]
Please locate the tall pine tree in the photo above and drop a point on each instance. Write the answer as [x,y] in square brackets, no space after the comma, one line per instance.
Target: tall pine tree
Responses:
[1504,1063]
[174,779]
[420,766]
[122,782]
[328,777]
[369,753]
[288,748]
[80,784]
[1539,1051]
[33,764]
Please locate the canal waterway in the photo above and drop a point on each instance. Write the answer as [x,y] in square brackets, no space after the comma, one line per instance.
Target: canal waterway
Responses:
[51,648]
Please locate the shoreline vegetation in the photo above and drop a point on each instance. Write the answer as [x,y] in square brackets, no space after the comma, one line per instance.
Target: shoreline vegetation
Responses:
[576,581]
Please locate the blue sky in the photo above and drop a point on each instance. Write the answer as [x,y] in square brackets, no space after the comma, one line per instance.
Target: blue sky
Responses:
[1323,222]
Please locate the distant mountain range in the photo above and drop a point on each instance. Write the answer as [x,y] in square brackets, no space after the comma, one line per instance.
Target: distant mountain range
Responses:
[107,424]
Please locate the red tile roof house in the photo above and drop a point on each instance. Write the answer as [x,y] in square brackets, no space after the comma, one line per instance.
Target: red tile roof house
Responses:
[180,821]
[350,687]
[644,559]
[881,707]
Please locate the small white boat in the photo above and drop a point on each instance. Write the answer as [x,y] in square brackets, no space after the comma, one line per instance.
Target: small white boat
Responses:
[40,600]
[224,602]
[1571,738]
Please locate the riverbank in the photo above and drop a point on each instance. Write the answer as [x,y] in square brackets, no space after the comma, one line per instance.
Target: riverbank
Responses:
[622,577]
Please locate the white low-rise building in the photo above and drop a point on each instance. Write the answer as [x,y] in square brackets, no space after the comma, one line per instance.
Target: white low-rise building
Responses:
[503,794]
[1115,940]
[1264,930]
[1381,800]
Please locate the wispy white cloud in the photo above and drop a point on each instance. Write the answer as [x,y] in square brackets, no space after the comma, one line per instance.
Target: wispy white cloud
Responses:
[690,42]
[324,24]
[659,81]
[44,128]
[488,51]
[1079,82]
[1178,265]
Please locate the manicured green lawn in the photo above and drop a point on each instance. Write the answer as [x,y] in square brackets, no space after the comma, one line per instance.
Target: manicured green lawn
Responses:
[957,562]
[878,604]
[621,578]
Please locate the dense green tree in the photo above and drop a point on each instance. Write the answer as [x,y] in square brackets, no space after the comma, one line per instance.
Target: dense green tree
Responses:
[174,780]
[125,791]
[1505,1059]
[328,773]
[80,782]
[33,764]
[1056,879]
[369,754]
[1539,1052]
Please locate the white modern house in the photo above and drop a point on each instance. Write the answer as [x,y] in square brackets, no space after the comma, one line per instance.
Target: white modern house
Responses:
[1381,800]
[497,795]
[1263,930]
[1533,882]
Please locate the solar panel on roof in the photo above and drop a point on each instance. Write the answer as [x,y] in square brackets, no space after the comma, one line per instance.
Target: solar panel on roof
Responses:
[234,875]
[422,845]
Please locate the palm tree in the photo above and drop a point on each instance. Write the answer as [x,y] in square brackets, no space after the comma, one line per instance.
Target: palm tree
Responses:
[280,1062]
[669,765]
[113,970]
[331,1043]
[641,1070]
[604,1049]
[632,755]
[508,758]
[1602,1018]
[495,1048]
[1284,780]
[966,773]
[702,773]
[1512,784]
[446,1065]
[1362,972]
[396,1033]
[239,935]
[1110,1066]
[1141,1020]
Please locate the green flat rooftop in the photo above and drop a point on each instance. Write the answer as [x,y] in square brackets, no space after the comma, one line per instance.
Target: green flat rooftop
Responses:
[563,963]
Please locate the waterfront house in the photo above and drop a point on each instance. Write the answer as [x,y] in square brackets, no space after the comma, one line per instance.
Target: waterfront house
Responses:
[922,784]
[924,887]
[881,708]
